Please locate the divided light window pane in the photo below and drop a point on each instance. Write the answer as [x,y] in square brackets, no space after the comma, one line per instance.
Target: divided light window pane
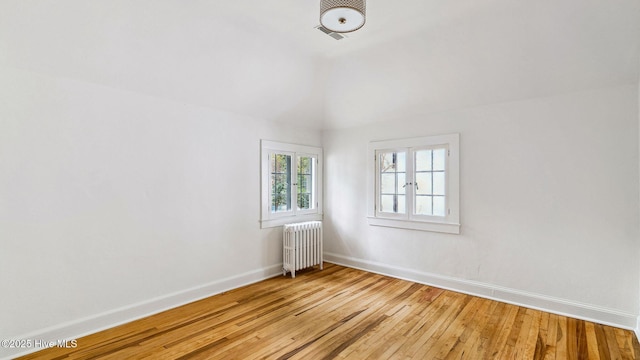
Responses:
[430,182]
[424,204]
[423,160]
[415,183]
[425,183]
[438,183]
[280,171]
[393,167]
[291,183]
[439,158]
[306,169]
[439,206]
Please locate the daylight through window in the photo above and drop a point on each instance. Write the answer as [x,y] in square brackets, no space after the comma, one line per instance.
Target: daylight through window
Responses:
[415,183]
[291,183]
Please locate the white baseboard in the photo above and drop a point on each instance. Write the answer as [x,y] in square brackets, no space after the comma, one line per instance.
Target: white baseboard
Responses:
[638,329]
[550,304]
[123,315]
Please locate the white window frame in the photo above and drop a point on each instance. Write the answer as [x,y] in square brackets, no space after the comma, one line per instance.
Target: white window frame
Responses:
[269,219]
[450,223]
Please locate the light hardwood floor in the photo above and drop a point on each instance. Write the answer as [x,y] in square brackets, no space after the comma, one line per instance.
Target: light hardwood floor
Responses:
[343,313]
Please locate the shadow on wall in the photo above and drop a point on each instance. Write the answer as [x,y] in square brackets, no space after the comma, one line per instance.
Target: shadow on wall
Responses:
[334,241]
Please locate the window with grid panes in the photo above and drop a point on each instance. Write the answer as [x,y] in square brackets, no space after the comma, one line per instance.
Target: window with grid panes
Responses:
[416,183]
[291,183]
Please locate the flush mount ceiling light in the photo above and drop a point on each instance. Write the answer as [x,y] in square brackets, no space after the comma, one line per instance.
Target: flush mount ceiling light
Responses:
[342,16]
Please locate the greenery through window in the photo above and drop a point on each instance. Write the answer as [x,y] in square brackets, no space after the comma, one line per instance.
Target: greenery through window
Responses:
[305,182]
[282,186]
[291,183]
[280,180]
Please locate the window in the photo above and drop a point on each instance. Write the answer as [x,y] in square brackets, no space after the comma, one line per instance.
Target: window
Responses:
[415,183]
[291,183]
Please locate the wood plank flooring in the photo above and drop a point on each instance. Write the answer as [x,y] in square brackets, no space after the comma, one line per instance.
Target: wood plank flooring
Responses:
[343,313]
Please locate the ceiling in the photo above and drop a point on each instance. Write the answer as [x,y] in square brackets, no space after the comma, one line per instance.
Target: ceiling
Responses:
[265,59]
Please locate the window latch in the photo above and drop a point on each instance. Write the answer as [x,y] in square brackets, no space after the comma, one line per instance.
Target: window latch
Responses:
[410,183]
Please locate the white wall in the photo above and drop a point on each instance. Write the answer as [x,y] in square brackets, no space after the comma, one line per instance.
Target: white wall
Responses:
[200,53]
[488,52]
[638,321]
[110,201]
[549,203]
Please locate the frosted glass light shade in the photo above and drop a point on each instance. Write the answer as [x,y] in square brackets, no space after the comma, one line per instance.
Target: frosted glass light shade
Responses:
[342,16]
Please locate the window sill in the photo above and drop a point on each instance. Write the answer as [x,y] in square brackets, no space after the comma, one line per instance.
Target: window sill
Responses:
[447,228]
[264,224]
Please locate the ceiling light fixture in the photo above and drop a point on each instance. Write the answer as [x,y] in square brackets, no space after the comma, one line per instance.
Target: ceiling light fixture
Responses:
[342,16]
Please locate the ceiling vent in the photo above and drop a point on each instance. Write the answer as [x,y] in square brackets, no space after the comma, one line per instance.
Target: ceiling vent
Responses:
[334,35]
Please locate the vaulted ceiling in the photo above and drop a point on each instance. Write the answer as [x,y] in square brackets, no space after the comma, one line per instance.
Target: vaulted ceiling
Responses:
[265,58]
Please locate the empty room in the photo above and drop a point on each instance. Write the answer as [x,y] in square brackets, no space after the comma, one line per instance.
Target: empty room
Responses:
[317,179]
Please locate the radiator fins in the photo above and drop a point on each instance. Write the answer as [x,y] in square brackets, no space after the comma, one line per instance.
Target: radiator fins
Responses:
[301,246]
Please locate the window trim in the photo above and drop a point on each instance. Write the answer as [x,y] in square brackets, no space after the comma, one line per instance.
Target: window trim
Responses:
[447,224]
[377,175]
[269,219]
[314,182]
